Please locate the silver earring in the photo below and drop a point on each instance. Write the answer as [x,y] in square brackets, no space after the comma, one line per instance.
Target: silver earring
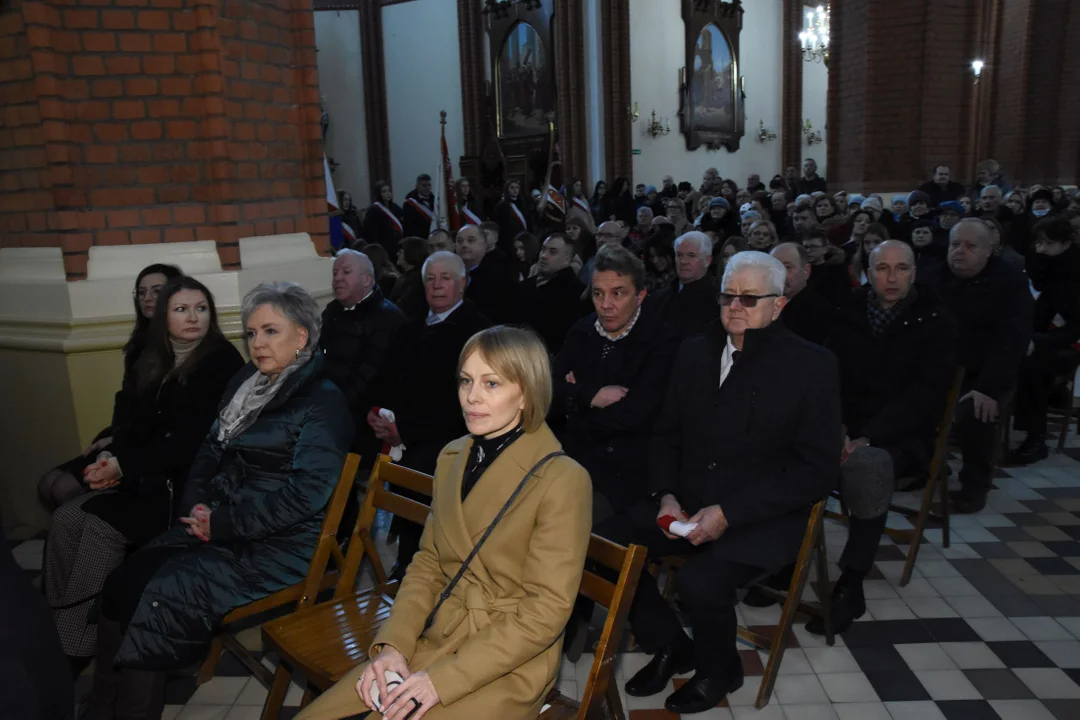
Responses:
[297,353]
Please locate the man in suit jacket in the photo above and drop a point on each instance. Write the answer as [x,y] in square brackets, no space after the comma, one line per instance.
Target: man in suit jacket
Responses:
[747,441]
[489,286]
[359,327]
[551,299]
[423,390]
[807,314]
[691,305]
[609,382]
[419,209]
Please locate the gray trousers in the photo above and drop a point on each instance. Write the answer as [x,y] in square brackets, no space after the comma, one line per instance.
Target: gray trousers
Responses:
[867,481]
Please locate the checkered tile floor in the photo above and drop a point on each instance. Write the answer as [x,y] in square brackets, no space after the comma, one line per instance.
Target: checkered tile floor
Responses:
[987,629]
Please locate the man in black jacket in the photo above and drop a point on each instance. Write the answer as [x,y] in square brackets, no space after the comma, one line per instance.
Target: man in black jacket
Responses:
[609,382]
[810,182]
[747,440]
[993,310]
[419,209]
[896,347]
[807,314]
[691,305]
[1054,269]
[422,391]
[489,286]
[551,299]
[942,188]
[359,326]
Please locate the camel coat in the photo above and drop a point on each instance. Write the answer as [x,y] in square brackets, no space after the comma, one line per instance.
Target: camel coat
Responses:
[495,646]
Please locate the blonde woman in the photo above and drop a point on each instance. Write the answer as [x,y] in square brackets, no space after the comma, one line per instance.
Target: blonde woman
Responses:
[492,649]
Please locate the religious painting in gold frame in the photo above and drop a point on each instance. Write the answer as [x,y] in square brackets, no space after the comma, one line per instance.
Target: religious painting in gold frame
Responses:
[524,83]
[712,111]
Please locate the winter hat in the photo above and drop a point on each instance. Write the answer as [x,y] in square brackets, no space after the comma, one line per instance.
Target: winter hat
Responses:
[745,208]
[803,200]
[951,206]
[871,203]
[1042,194]
[751,215]
[900,198]
[719,202]
[650,189]
[916,197]
[855,200]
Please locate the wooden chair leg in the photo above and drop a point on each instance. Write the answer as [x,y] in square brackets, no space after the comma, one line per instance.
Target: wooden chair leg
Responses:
[308,696]
[206,670]
[1066,421]
[943,481]
[936,478]
[824,589]
[278,690]
[780,636]
[614,702]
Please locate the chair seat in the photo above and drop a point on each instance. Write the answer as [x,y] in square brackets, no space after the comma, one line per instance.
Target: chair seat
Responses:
[326,641]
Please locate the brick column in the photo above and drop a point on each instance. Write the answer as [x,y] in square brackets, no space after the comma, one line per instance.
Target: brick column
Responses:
[176,120]
[791,124]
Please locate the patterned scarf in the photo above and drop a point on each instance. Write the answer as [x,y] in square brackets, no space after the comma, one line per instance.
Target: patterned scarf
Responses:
[880,318]
[252,396]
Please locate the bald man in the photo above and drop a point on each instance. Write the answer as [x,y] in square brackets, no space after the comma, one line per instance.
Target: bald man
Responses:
[897,350]
[489,287]
[359,327]
[994,311]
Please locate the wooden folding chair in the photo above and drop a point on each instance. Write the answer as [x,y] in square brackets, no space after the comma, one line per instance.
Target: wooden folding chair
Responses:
[325,641]
[600,697]
[936,483]
[319,577]
[1072,403]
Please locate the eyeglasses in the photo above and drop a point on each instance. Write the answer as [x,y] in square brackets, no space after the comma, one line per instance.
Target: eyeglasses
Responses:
[746,301]
[143,293]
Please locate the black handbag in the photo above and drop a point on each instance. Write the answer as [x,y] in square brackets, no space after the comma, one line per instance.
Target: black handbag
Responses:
[483,538]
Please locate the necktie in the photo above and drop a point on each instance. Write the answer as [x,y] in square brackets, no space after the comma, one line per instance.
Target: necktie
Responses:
[433,320]
[735,356]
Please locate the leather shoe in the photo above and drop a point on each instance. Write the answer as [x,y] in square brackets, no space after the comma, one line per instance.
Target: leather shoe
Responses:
[848,605]
[1032,450]
[756,598]
[703,692]
[671,660]
[968,502]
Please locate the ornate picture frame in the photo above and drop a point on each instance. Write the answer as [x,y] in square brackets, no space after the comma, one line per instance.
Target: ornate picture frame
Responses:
[711,90]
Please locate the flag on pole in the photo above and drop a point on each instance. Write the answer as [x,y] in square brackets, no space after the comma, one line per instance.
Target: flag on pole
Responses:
[452,217]
[338,233]
[553,204]
[437,222]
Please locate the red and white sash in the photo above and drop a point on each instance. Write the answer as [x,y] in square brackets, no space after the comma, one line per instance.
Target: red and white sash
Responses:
[471,217]
[520,216]
[583,204]
[428,213]
[392,216]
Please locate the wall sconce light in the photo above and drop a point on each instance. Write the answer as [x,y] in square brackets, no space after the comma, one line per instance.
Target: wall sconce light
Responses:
[813,137]
[977,68]
[657,127]
[764,135]
[632,113]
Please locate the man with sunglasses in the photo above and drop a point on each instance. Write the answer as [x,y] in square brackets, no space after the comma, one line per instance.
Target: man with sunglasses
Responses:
[748,439]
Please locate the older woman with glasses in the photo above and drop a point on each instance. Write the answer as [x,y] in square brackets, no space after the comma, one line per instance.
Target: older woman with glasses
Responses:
[250,512]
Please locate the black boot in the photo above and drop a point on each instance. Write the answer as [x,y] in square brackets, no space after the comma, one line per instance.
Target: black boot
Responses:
[141,695]
[1032,450]
[101,702]
[968,501]
[671,660]
[848,605]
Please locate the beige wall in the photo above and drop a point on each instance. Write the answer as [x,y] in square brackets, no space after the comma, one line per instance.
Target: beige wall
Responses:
[60,345]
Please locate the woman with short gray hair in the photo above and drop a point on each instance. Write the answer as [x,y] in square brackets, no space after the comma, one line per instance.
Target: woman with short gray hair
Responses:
[252,508]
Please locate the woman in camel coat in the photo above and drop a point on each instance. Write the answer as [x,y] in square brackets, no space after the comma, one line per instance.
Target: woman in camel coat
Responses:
[494,647]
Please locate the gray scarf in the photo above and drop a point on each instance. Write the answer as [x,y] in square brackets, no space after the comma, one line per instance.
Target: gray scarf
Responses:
[252,396]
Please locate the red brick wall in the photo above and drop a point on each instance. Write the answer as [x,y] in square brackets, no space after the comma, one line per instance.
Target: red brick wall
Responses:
[1009,108]
[159,121]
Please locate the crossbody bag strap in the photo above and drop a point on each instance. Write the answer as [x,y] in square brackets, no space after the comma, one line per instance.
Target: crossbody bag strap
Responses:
[483,538]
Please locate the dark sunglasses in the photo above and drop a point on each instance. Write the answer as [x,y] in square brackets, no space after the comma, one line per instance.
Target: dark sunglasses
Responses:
[746,301]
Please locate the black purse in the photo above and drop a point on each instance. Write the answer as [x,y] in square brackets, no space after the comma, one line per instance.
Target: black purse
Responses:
[483,538]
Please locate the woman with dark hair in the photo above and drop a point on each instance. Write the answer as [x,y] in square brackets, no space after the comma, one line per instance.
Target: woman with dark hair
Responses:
[468,206]
[584,240]
[408,292]
[660,260]
[251,509]
[349,216]
[383,219]
[859,259]
[728,190]
[65,481]
[526,253]
[597,204]
[575,194]
[384,269]
[176,384]
[513,215]
[620,203]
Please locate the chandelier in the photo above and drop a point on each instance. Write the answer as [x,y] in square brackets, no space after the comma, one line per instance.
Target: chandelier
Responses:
[815,35]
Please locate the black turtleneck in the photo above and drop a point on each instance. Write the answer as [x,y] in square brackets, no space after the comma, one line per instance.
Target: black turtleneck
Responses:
[483,453]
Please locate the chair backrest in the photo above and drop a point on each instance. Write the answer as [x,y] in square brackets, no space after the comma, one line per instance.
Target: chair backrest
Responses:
[616,597]
[379,497]
[941,444]
[327,546]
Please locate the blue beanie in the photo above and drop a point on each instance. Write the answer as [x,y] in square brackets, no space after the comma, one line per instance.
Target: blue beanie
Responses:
[952,206]
[719,202]
[855,200]
[918,196]
[649,189]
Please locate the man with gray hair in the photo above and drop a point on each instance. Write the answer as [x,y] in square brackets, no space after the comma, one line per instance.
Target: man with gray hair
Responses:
[422,387]
[745,444]
[359,327]
[994,311]
[691,304]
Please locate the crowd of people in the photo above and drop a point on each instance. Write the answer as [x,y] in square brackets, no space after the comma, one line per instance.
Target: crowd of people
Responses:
[723,355]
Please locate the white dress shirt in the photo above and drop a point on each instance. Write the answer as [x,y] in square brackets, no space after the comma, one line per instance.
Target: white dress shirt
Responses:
[434,318]
[726,361]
